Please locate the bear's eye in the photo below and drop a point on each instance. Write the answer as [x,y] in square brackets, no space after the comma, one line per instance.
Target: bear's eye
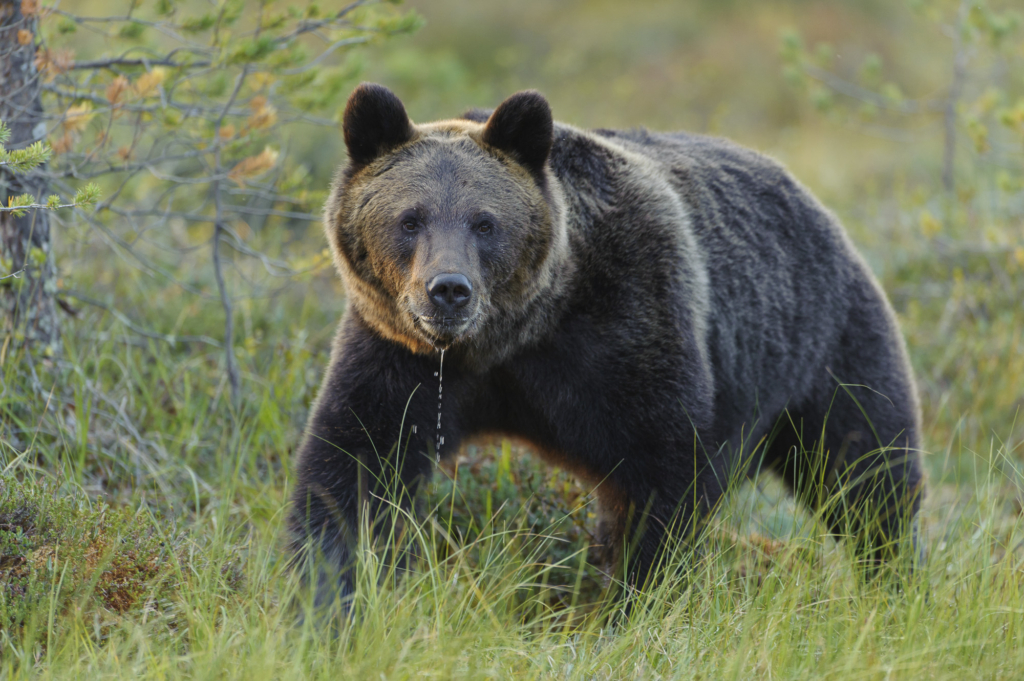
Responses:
[484,226]
[409,225]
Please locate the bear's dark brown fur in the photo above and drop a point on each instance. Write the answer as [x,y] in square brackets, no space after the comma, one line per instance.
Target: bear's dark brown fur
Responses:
[637,305]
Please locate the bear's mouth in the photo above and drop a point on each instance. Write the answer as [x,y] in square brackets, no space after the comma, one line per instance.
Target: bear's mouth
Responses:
[443,331]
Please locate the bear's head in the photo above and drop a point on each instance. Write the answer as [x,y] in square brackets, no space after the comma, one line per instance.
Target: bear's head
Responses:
[445,234]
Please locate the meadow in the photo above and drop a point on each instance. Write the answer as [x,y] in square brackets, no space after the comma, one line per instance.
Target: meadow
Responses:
[142,507]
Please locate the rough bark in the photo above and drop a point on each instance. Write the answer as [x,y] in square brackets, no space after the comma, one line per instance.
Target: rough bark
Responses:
[28,311]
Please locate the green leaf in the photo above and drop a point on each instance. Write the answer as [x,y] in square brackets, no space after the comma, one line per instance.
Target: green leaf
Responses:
[292,55]
[132,30]
[273,21]
[403,23]
[88,194]
[17,201]
[792,46]
[871,70]
[24,160]
[37,256]
[892,93]
[197,24]
[217,85]
[172,118]
[232,11]
[794,75]
[251,50]
[822,99]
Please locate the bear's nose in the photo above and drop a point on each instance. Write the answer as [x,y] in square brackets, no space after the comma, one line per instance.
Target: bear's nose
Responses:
[449,291]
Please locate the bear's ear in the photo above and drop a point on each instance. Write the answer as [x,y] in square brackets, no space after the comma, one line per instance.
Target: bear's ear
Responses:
[374,123]
[522,127]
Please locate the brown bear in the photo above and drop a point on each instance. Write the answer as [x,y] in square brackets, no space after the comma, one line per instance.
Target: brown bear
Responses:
[657,313]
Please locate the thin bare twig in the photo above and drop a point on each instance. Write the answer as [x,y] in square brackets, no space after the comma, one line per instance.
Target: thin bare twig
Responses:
[123,318]
[346,42]
[36,206]
[854,91]
[218,229]
[156,230]
[117,62]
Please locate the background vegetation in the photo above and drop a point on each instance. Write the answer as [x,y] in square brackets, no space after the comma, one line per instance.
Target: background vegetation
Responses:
[142,495]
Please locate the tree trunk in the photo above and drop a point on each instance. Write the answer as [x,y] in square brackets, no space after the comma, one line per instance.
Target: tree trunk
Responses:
[28,311]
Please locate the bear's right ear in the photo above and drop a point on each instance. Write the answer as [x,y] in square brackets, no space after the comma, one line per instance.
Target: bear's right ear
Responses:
[522,126]
[374,123]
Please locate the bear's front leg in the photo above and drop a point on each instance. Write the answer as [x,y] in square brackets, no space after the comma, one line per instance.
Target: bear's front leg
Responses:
[652,510]
[361,459]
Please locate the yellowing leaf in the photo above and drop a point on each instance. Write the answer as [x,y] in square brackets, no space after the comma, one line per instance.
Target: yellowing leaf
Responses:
[1018,255]
[51,63]
[147,84]
[978,133]
[66,141]
[1006,182]
[253,166]
[29,7]
[986,104]
[116,90]
[929,225]
[251,345]
[263,114]
[77,117]
[63,59]
[261,79]
[1013,118]
[24,36]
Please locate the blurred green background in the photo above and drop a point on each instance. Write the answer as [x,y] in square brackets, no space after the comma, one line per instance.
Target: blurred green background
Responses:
[705,66]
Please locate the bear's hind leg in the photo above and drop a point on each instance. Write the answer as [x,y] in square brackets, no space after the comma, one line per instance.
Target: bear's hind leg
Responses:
[852,456]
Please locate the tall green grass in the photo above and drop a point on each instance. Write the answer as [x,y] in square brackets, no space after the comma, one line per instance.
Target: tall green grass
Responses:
[787,606]
[182,574]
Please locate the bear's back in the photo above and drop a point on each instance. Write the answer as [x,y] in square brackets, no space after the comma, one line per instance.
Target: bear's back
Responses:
[777,263]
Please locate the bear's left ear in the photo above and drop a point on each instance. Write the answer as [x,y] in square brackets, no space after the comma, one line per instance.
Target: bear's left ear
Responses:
[374,123]
[522,127]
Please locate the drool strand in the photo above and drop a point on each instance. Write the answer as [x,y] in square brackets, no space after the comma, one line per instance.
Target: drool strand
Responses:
[439,439]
